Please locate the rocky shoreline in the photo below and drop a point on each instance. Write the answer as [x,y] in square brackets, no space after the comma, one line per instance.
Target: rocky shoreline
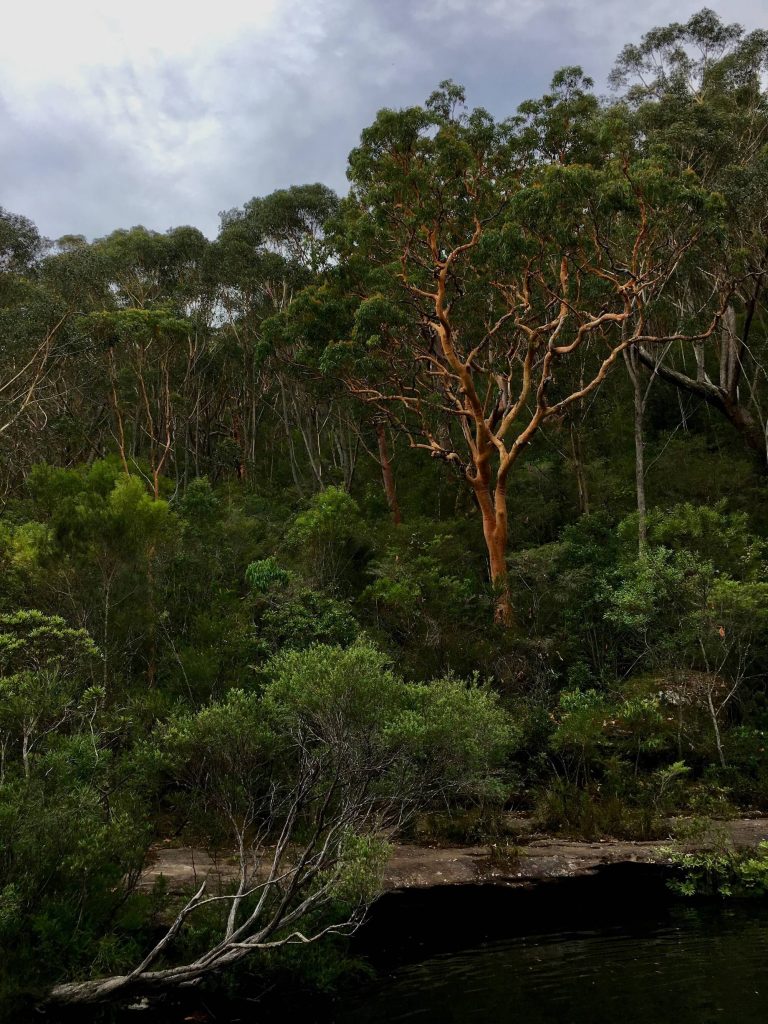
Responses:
[535,859]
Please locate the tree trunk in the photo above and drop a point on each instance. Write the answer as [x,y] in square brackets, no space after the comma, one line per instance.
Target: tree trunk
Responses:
[633,368]
[716,728]
[578,465]
[387,475]
[642,516]
[105,634]
[152,653]
[238,438]
[119,987]
[25,752]
[493,506]
[753,432]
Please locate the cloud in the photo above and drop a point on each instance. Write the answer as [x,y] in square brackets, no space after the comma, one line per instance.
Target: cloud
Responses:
[165,112]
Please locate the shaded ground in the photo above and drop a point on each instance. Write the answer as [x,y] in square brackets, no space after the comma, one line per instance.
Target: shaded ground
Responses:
[424,866]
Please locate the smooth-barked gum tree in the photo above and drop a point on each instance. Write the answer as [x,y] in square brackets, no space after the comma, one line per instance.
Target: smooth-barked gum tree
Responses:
[502,269]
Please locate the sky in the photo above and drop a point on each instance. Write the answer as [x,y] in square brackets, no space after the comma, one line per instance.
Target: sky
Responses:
[166,112]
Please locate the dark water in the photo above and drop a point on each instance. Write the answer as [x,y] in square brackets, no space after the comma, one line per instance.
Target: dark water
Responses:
[612,949]
[642,959]
[697,966]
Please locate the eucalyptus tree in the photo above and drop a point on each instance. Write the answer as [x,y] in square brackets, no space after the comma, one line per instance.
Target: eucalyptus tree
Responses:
[271,251]
[129,373]
[31,322]
[484,271]
[697,90]
[21,244]
[153,336]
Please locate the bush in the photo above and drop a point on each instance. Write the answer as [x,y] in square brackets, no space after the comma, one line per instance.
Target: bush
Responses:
[69,855]
[720,872]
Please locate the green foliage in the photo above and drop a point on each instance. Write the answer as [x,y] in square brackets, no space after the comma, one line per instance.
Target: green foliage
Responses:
[265,574]
[305,617]
[710,532]
[445,735]
[70,846]
[332,516]
[20,242]
[101,509]
[292,615]
[327,536]
[350,699]
[456,731]
[31,641]
[720,873]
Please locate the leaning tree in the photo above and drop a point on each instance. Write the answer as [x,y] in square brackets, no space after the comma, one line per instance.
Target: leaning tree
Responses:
[698,89]
[307,780]
[499,281]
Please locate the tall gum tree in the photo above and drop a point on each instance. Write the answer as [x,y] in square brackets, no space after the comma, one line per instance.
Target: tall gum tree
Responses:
[697,90]
[31,324]
[488,262]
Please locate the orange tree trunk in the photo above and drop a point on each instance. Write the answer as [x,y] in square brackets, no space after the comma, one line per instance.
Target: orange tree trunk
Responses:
[388,477]
[493,507]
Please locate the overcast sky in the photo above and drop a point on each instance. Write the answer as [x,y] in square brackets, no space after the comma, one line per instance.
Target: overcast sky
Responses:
[165,112]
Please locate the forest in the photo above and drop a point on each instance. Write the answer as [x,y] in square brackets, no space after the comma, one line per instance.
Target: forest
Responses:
[381,516]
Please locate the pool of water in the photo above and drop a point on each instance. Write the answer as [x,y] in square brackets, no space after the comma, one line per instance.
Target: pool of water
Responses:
[692,965]
[616,949]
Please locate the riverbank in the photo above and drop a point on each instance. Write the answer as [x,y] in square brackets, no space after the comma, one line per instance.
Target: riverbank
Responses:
[534,859]
[447,902]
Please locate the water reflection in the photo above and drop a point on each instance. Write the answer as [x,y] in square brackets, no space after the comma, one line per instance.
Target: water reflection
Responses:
[697,965]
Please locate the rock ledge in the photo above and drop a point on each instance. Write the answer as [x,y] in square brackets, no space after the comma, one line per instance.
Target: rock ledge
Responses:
[413,867]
